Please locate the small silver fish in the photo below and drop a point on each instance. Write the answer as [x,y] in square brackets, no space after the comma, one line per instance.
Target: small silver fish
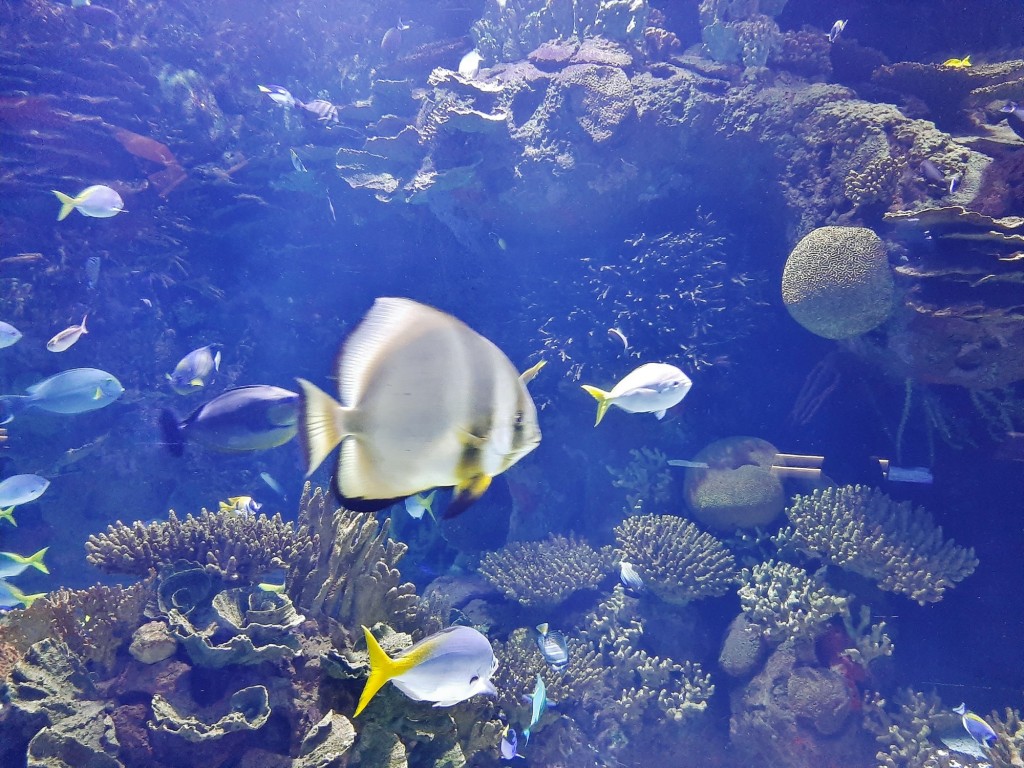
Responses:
[98,201]
[275,486]
[297,161]
[837,29]
[617,335]
[67,338]
[629,577]
[687,463]
[553,646]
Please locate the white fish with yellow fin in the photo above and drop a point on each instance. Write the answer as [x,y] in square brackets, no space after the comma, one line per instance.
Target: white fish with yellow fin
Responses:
[418,504]
[445,668]
[651,388]
[12,564]
[68,337]
[426,402]
[195,370]
[10,596]
[98,202]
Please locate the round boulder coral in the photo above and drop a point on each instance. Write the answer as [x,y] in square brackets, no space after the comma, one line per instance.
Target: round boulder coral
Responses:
[837,282]
[737,488]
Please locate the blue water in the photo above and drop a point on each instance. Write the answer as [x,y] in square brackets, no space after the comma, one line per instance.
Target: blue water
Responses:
[278,265]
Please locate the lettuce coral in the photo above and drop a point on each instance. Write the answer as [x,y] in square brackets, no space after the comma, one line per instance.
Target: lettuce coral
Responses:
[863,530]
[679,562]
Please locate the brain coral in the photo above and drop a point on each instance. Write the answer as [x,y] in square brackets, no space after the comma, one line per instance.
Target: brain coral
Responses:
[837,282]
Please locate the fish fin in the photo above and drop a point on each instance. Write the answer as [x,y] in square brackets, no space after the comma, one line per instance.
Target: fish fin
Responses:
[171,430]
[8,515]
[382,669]
[542,628]
[196,382]
[10,405]
[216,361]
[21,597]
[321,427]
[526,736]
[357,504]
[35,560]
[466,493]
[603,401]
[84,318]
[530,373]
[659,415]
[67,204]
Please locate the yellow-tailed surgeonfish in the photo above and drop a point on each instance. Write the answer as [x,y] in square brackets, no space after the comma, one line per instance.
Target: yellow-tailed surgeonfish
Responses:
[12,565]
[651,388]
[21,489]
[97,201]
[67,338]
[426,402]
[11,596]
[240,420]
[75,391]
[195,370]
[8,515]
[447,667]
[417,504]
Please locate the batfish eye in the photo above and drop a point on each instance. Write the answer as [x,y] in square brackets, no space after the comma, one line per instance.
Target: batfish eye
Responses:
[520,417]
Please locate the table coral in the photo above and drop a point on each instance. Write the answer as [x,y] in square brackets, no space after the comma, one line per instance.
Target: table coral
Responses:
[545,573]
[785,601]
[837,282]
[679,562]
[863,530]
[237,546]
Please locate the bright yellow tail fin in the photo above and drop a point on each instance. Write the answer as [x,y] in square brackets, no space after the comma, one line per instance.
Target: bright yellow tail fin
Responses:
[603,401]
[36,560]
[382,669]
[8,515]
[22,598]
[67,205]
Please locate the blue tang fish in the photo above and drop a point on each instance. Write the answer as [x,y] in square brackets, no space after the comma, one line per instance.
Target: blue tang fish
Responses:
[447,667]
[75,391]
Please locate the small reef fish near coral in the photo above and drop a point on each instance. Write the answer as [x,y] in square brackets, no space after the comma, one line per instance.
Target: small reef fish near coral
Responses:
[68,337]
[195,370]
[98,201]
[651,388]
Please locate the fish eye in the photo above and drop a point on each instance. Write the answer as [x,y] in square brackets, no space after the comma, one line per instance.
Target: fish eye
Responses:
[520,418]
[473,679]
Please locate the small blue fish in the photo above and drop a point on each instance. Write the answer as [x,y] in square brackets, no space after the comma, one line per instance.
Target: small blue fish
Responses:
[9,335]
[552,646]
[978,729]
[629,577]
[21,489]
[837,29]
[195,370]
[538,706]
[509,744]
[11,596]
[417,504]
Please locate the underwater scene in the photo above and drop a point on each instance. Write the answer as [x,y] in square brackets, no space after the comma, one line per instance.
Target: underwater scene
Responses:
[555,383]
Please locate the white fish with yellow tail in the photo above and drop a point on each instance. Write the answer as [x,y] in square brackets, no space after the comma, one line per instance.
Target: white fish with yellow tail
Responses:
[67,338]
[651,388]
[11,596]
[12,564]
[426,402]
[447,667]
[97,201]
[418,504]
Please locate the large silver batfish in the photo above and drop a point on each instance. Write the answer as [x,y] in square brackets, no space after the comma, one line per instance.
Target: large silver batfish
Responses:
[426,402]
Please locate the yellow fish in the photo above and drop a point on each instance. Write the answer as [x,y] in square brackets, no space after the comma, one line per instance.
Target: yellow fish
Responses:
[963,63]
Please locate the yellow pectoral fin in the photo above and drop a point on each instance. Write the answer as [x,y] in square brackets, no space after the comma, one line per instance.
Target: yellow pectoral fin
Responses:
[98,394]
[603,401]
[196,382]
[466,493]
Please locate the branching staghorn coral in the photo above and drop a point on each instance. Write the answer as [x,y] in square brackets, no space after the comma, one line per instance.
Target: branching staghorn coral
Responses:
[93,623]
[545,573]
[346,567]
[785,601]
[903,730]
[1008,749]
[236,546]
[870,641]
[863,530]
[645,477]
[679,562]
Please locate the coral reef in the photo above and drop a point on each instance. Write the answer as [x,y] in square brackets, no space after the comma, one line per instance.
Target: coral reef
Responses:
[740,32]
[837,282]
[239,547]
[646,478]
[248,710]
[545,573]
[902,729]
[737,489]
[347,568]
[785,601]
[1008,749]
[863,530]
[679,562]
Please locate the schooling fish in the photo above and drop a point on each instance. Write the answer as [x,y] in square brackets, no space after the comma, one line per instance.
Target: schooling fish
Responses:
[978,729]
[252,418]
[963,63]
[97,201]
[417,504]
[553,646]
[447,667]
[11,596]
[426,402]
[195,370]
[837,29]
[651,388]
[9,335]
[68,337]
[21,489]
[74,391]
[538,706]
[12,565]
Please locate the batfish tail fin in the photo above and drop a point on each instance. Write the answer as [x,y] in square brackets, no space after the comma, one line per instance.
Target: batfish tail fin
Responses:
[603,401]
[382,669]
[67,205]
[171,430]
[321,424]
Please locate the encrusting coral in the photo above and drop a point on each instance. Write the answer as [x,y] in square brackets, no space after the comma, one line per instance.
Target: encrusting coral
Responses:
[545,573]
[837,282]
[679,562]
[237,546]
[863,530]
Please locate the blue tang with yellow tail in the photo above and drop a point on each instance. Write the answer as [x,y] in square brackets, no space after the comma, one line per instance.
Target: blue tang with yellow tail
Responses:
[426,402]
[447,667]
[240,420]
